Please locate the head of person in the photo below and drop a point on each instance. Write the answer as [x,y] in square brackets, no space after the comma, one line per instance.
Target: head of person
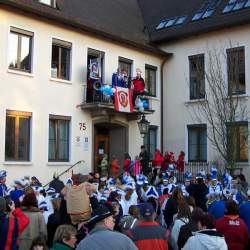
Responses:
[102,216]
[232,207]
[97,176]
[207,221]
[39,243]
[142,148]
[78,179]
[90,176]
[127,156]
[29,200]
[178,195]
[183,211]
[197,215]
[65,234]
[147,212]
[134,211]
[191,202]
[138,73]
[3,175]
[3,205]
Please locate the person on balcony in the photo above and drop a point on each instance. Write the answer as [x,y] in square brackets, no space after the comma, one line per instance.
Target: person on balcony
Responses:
[138,85]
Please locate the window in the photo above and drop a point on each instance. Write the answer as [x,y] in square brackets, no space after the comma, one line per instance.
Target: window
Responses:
[125,65]
[197,142]
[20,50]
[150,141]
[238,141]
[51,3]
[206,10]
[17,136]
[234,5]
[236,70]
[171,22]
[197,77]
[61,59]
[150,79]
[59,138]
[96,61]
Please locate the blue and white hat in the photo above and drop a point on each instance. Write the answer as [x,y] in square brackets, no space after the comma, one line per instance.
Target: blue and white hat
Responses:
[43,205]
[151,192]
[111,181]
[201,175]
[165,177]
[171,167]
[103,198]
[3,174]
[50,191]
[213,173]
[37,189]
[19,182]
[140,179]
[188,176]
[69,181]
[129,186]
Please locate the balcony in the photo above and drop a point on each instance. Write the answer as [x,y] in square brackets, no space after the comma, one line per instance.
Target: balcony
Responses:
[99,104]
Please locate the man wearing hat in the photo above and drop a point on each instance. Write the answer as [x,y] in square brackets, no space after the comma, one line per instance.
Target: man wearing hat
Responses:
[3,187]
[148,234]
[102,237]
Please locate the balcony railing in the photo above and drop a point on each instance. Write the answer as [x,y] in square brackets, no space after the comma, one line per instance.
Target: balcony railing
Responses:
[93,99]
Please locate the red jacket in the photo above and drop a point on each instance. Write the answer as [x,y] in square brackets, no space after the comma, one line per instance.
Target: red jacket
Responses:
[180,162]
[139,85]
[149,236]
[126,165]
[11,228]
[235,231]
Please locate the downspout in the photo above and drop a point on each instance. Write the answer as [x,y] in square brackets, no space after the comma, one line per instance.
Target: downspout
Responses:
[162,111]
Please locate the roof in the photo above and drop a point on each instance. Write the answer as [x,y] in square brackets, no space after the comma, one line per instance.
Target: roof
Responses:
[134,22]
[156,11]
[117,20]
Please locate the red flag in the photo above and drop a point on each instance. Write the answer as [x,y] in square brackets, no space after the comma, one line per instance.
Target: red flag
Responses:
[123,100]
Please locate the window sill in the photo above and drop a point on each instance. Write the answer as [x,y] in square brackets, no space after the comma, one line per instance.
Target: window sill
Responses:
[17,72]
[23,163]
[60,81]
[59,163]
[195,101]
[240,96]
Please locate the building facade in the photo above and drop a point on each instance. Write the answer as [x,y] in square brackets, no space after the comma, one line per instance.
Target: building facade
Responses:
[47,123]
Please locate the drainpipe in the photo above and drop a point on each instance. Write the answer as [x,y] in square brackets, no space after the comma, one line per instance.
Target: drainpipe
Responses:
[162,112]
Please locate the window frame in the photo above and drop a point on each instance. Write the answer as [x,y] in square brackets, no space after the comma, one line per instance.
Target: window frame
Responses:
[237,91]
[66,45]
[237,136]
[126,61]
[199,128]
[17,115]
[59,118]
[20,32]
[96,53]
[200,80]
[154,69]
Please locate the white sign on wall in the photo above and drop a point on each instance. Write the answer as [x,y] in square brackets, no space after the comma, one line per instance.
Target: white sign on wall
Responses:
[85,144]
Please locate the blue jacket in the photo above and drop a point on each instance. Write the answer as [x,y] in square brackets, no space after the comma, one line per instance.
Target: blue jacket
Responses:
[3,190]
[245,214]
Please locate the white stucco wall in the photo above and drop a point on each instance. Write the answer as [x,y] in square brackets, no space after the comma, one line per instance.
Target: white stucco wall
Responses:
[39,94]
[176,86]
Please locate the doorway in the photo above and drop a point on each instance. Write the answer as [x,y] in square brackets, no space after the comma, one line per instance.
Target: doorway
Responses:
[110,139]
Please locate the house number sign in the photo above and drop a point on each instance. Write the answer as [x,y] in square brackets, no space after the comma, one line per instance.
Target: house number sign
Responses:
[82,126]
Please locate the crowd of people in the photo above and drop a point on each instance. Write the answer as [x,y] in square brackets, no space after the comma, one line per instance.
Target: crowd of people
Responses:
[139,206]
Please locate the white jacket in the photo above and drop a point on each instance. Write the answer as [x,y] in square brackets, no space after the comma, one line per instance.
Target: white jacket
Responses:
[201,240]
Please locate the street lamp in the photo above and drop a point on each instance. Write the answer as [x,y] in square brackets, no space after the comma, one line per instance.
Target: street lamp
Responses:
[143,125]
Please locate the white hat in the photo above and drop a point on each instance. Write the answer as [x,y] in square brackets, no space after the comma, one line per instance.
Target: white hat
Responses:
[19,182]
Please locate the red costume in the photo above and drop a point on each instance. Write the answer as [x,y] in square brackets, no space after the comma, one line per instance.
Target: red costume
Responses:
[126,165]
[158,160]
[115,167]
[180,162]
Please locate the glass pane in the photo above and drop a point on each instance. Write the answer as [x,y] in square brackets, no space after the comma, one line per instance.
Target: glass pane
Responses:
[24,139]
[10,138]
[65,63]
[126,67]
[13,45]
[243,142]
[52,140]
[63,150]
[192,144]
[48,2]
[55,61]
[25,53]
[203,145]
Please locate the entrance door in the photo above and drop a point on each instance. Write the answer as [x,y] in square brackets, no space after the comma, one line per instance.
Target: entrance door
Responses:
[101,148]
